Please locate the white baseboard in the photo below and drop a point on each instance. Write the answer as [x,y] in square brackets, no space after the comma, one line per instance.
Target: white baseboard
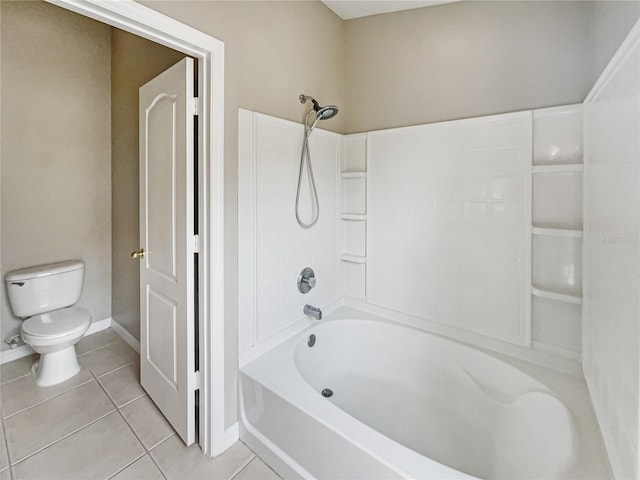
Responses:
[12,354]
[98,326]
[231,436]
[124,334]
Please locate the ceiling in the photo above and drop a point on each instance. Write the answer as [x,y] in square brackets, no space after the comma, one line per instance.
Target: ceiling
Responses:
[348,9]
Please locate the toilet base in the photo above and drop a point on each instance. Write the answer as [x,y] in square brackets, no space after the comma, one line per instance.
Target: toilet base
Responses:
[56,367]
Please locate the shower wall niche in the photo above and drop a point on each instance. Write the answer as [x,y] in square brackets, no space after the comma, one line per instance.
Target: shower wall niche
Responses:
[556,285]
[353,215]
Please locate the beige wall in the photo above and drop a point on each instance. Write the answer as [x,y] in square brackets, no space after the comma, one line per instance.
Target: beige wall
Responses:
[134,61]
[465,59]
[274,51]
[55,149]
[450,61]
[612,21]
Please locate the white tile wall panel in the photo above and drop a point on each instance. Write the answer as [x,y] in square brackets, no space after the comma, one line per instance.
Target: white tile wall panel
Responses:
[354,195]
[449,212]
[557,323]
[354,238]
[354,158]
[273,247]
[611,340]
[354,275]
[557,264]
[557,200]
[557,133]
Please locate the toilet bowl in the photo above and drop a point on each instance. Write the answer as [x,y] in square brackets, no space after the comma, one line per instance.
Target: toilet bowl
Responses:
[43,296]
[53,335]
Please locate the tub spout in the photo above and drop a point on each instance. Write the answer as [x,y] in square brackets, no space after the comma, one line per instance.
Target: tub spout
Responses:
[312,311]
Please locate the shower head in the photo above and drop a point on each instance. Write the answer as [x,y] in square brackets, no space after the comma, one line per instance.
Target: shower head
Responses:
[322,113]
[325,113]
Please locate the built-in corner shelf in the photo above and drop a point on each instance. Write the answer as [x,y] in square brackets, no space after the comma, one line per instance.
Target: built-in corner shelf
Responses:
[561,297]
[353,216]
[558,168]
[557,351]
[557,232]
[556,228]
[353,175]
[345,257]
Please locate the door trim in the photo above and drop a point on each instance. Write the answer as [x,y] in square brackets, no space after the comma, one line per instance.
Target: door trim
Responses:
[148,23]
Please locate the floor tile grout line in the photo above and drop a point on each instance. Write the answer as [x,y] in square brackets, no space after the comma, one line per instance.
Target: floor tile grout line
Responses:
[6,445]
[253,457]
[72,388]
[63,437]
[107,393]
[147,451]
[15,379]
[50,398]
[115,369]
[127,466]
[27,358]
[154,460]
[4,384]
[129,402]
[101,346]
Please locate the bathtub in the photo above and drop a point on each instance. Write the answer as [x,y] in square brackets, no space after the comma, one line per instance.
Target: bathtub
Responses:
[358,396]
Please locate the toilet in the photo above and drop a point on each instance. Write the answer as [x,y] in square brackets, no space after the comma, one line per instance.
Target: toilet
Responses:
[44,296]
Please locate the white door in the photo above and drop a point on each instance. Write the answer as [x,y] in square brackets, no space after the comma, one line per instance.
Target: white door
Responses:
[167,284]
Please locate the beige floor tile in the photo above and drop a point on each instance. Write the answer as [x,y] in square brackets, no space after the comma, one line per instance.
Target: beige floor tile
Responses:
[5,475]
[142,469]
[17,368]
[147,421]
[123,384]
[24,392]
[96,340]
[108,358]
[97,451]
[4,458]
[257,470]
[179,462]
[47,422]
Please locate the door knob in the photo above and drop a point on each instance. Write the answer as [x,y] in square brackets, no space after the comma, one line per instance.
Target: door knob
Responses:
[137,253]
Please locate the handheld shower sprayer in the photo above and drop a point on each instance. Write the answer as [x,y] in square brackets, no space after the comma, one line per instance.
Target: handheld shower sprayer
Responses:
[321,113]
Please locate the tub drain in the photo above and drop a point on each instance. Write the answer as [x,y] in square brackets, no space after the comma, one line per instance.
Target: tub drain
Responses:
[327,392]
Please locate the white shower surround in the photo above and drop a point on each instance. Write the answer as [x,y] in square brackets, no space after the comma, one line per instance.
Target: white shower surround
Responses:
[611,340]
[273,249]
[449,223]
[480,168]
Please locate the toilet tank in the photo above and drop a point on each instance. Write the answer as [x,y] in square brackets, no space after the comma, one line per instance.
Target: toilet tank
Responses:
[44,288]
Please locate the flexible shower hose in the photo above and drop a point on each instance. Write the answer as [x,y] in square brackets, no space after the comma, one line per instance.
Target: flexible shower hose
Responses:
[305,157]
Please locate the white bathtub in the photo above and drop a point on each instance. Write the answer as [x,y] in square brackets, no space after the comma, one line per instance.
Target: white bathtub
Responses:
[408,404]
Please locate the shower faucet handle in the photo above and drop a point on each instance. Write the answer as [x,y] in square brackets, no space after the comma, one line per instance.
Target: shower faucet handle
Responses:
[306,280]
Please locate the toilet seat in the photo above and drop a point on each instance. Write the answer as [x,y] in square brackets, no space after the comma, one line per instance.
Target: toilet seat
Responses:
[58,324]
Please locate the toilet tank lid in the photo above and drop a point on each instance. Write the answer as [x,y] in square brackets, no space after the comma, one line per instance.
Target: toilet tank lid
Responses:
[43,270]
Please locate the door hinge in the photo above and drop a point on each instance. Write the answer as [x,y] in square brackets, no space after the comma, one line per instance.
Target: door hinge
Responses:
[196,106]
[196,380]
[196,244]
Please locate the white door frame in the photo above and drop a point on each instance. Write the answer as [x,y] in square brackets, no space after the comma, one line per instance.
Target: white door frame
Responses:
[145,22]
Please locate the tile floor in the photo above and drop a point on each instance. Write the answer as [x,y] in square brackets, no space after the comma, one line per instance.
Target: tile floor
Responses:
[101,425]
